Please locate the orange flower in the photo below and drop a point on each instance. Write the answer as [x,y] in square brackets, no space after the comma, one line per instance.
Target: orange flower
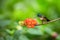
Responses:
[30,23]
[34,22]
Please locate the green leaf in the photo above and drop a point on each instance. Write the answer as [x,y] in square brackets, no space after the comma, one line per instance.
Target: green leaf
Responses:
[9,37]
[58,37]
[35,31]
[4,23]
[23,37]
[48,30]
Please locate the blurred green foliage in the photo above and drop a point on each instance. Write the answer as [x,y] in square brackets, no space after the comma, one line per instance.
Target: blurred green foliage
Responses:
[12,11]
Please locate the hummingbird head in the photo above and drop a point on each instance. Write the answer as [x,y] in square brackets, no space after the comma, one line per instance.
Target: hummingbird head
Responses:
[39,15]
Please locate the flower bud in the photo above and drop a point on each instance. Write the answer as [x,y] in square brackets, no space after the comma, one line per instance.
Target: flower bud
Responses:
[54,34]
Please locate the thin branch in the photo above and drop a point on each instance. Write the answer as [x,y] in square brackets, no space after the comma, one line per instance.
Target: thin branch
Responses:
[50,21]
[53,20]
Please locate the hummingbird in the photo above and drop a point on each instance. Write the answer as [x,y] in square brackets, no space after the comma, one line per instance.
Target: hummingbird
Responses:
[43,18]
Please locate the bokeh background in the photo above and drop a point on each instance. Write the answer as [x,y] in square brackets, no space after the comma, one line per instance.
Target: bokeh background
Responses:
[13,11]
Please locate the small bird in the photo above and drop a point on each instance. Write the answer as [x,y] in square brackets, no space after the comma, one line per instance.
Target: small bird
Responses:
[43,18]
